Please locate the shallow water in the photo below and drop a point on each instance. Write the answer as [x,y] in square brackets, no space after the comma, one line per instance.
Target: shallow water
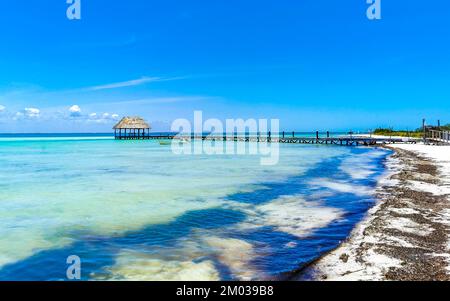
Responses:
[134,210]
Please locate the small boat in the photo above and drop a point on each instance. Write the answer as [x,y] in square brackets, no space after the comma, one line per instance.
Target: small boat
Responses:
[164,143]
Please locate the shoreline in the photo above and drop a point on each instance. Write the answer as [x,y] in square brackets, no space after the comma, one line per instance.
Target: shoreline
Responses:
[405,236]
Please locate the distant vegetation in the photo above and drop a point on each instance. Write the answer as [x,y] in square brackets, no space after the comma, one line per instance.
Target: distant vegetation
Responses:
[446,127]
[403,133]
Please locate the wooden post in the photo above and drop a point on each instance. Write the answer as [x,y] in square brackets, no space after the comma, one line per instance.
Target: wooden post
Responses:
[317,135]
[293,134]
[423,128]
[328,134]
[283,134]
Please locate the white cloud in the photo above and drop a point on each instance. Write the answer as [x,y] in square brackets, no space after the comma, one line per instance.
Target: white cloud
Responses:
[75,111]
[164,100]
[32,112]
[2,108]
[134,82]
[103,118]
[18,115]
[28,113]
[130,83]
[109,116]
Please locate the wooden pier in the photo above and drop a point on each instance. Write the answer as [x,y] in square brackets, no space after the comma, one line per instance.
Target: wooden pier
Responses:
[135,128]
[339,140]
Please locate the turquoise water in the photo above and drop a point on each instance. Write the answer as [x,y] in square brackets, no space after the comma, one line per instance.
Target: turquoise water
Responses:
[133,210]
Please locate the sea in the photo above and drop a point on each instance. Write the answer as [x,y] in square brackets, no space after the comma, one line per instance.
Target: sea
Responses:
[135,210]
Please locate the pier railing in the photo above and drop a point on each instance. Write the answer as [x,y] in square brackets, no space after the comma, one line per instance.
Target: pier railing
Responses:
[436,136]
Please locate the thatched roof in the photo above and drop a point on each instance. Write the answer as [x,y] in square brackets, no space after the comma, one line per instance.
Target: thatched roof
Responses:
[132,123]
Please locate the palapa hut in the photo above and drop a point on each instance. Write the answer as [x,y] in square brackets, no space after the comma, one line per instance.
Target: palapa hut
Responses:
[132,128]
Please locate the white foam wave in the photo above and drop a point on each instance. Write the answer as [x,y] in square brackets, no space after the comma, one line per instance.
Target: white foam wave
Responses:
[291,214]
[361,166]
[341,186]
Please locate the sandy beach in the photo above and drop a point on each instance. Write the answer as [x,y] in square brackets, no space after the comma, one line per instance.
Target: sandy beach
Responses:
[406,235]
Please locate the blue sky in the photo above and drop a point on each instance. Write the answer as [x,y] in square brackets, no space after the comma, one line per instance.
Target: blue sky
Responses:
[313,64]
